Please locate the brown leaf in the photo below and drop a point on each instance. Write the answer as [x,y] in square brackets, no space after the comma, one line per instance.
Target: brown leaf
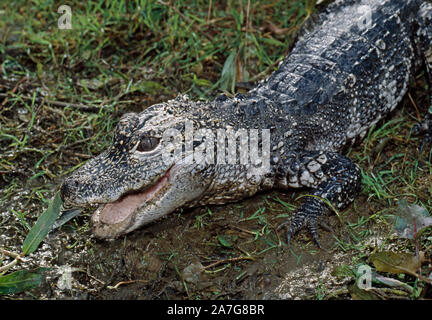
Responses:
[397,262]
[361,294]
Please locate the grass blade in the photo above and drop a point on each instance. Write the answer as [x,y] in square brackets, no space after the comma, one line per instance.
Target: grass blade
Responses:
[42,226]
[20,281]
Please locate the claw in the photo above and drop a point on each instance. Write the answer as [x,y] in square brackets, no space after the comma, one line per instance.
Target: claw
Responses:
[288,236]
[424,127]
[298,222]
[426,141]
[416,130]
[289,232]
[283,224]
[313,229]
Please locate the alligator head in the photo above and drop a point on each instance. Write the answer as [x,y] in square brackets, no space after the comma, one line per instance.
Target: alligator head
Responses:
[133,181]
[139,179]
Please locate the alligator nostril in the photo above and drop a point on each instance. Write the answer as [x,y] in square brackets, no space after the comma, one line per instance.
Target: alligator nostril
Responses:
[63,190]
[67,187]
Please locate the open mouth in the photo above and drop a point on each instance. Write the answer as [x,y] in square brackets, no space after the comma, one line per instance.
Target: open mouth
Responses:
[114,218]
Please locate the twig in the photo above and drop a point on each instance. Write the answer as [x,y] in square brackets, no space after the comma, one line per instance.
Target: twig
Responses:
[77,154]
[13,91]
[415,106]
[17,258]
[209,10]
[93,277]
[11,254]
[126,282]
[8,266]
[244,230]
[228,260]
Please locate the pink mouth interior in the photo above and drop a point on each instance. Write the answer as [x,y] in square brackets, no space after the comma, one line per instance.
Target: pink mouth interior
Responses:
[121,209]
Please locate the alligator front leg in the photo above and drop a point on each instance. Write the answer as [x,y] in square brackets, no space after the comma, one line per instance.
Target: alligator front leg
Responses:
[332,176]
[423,42]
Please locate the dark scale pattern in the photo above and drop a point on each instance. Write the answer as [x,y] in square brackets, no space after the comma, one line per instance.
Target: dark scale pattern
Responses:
[345,73]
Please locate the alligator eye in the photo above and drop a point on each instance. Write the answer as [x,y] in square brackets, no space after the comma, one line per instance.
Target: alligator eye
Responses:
[148,144]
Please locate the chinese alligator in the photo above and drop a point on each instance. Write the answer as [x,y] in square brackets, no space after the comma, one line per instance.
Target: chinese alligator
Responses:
[349,68]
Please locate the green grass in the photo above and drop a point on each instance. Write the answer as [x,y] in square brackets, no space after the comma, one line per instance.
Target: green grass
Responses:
[121,56]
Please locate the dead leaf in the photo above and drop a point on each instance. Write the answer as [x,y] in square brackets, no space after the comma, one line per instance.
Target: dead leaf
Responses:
[397,262]
[361,294]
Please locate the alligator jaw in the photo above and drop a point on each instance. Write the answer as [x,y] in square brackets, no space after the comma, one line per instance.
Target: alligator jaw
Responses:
[114,219]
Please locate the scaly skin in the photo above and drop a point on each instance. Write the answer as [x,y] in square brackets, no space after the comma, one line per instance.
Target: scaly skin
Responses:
[344,74]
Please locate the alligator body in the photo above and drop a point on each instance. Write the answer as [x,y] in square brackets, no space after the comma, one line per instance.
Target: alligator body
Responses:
[348,69]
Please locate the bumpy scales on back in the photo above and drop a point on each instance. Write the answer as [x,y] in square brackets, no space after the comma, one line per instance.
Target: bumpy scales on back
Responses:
[348,69]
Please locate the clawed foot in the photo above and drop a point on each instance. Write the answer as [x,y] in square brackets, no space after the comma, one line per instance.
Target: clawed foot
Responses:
[299,222]
[424,127]
[342,183]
